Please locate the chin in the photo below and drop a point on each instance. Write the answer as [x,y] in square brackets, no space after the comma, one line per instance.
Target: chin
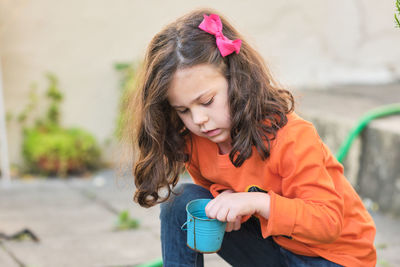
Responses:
[220,138]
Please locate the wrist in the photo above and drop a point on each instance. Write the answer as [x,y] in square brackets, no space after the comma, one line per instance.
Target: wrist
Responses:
[262,204]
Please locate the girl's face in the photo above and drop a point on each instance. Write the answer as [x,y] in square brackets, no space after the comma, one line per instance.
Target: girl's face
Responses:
[199,95]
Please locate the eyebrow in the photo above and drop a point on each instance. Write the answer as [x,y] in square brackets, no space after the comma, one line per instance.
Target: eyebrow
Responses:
[196,99]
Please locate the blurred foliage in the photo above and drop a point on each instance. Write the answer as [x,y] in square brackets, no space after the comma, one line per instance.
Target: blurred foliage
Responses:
[128,72]
[50,149]
[30,107]
[397,19]
[381,246]
[55,150]
[125,222]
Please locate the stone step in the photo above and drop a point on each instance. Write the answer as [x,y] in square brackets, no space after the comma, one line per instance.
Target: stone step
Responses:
[373,162]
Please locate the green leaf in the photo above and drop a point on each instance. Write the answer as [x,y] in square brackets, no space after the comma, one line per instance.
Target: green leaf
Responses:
[121,66]
[124,216]
[398,11]
[125,222]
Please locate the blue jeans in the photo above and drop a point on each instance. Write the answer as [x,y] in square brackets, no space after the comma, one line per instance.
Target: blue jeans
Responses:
[245,247]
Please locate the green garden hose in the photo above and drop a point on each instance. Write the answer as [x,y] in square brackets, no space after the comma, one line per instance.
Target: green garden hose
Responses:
[153,263]
[362,123]
[343,150]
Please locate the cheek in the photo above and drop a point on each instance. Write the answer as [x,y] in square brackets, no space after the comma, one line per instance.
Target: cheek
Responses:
[187,122]
[225,103]
[224,112]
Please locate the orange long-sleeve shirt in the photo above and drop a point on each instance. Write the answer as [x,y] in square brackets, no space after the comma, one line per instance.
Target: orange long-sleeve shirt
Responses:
[314,210]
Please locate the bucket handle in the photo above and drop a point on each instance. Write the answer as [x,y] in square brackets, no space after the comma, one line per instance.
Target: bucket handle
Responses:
[185,224]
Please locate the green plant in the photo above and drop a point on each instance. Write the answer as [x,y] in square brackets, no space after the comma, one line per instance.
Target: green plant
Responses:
[47,147]
[398,11]
[55,150]
[125,222]
[128,72]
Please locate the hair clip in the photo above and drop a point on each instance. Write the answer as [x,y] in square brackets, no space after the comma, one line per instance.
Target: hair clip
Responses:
[213,25]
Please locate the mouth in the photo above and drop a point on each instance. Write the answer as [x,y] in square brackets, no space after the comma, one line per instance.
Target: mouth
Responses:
[212,132]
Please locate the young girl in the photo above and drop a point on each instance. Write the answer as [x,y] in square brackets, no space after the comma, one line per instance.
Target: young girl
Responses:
[207,102]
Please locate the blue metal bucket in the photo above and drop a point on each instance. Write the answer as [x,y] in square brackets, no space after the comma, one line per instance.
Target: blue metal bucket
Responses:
[204,235]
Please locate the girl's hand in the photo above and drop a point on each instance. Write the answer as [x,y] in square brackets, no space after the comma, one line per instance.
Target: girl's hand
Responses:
[230,207]
[232,226]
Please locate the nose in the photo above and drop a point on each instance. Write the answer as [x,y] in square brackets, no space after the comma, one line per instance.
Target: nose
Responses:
[199,117]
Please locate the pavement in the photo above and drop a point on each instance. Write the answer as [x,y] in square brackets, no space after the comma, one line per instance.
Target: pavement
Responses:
[75,221]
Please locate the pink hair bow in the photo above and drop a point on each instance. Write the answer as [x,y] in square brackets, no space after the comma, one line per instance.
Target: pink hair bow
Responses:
[213,25]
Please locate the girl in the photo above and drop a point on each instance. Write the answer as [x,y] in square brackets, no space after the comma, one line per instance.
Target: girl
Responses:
[207,102]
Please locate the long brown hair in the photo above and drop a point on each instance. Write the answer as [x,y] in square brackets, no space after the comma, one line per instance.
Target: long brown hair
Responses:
[157,132]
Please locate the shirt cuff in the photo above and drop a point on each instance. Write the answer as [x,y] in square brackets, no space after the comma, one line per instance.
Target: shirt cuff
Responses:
[282,216]
[216,188]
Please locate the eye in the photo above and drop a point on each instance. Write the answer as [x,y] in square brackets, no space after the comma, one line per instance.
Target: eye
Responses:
[208,102]
[182,111]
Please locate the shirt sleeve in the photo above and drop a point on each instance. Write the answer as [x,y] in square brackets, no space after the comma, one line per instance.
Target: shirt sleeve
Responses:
[310,208]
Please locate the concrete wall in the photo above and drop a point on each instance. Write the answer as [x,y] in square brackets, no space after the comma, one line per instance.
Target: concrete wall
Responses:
[306,43]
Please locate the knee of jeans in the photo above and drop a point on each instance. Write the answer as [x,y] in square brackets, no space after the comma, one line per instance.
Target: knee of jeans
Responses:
[175,204]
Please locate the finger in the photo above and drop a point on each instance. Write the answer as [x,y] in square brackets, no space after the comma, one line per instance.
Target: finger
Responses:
[231,216]
[209,206]
[229,227]
[222,213]
[237,224]
[211,209]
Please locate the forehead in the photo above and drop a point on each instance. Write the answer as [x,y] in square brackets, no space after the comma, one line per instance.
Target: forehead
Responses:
[188,83]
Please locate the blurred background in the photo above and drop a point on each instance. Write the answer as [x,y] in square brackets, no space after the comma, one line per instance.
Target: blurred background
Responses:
[67,65]
[313,44]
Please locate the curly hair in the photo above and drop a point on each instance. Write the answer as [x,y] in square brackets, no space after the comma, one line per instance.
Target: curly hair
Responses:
[159,136]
